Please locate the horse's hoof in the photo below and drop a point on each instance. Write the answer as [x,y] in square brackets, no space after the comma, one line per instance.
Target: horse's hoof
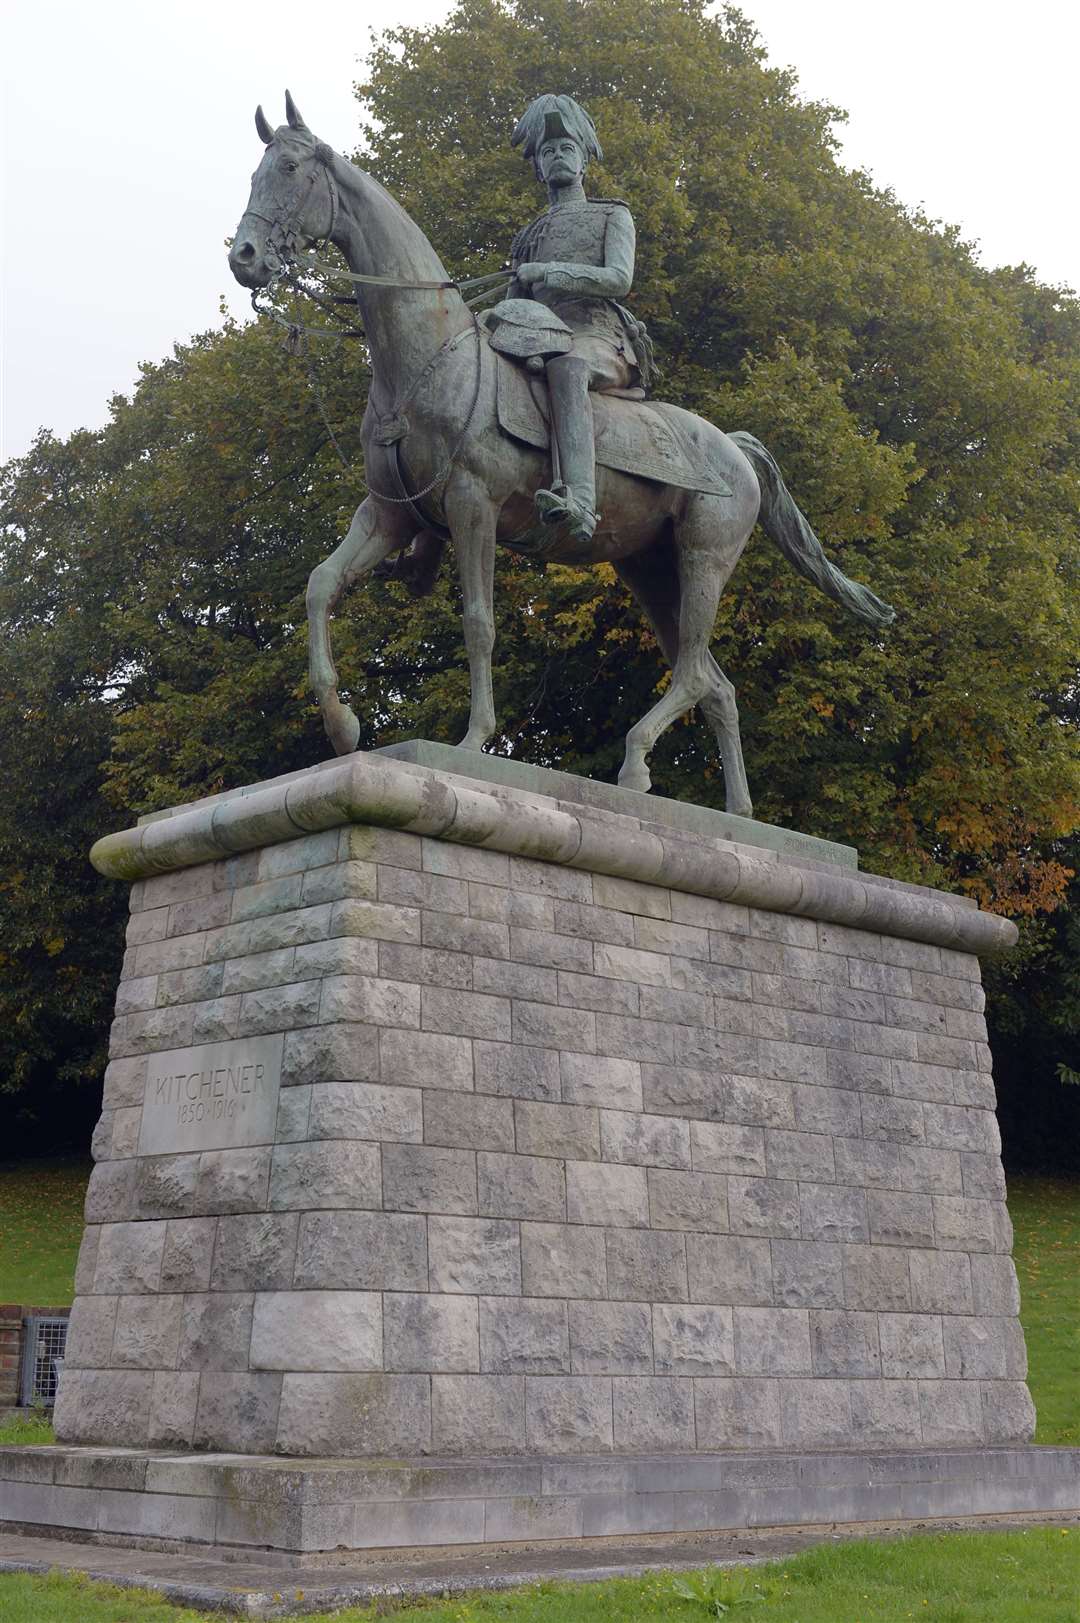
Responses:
[741,808]
[474,741]
[635,777]
[342,727]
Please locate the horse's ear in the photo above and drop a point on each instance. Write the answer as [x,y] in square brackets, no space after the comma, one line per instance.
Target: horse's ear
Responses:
[266,134]
[293,113]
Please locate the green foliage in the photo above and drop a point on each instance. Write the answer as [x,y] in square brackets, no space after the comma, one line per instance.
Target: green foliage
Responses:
[717,1593]
[924,411]
[1046,1218]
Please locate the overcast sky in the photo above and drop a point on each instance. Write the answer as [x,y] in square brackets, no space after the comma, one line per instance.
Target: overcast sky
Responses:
[128,144]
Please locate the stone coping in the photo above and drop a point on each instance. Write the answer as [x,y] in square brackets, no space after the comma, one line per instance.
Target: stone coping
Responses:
[322,1506]
[377,789]
[595,796]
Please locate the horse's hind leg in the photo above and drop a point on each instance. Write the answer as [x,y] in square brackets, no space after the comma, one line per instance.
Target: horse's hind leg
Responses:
[654,580]
[374,532]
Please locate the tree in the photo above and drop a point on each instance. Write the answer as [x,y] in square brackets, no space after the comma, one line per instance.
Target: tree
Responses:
[923,408]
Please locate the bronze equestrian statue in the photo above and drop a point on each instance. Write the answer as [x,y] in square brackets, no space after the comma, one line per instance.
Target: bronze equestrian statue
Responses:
[462,440]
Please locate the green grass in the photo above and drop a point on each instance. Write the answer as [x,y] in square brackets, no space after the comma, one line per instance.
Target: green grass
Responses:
[1025,1577]
[33,1428]
[1046,1216]
[41,1224]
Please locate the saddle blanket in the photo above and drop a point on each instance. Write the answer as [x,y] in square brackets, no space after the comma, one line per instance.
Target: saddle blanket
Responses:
[648,439]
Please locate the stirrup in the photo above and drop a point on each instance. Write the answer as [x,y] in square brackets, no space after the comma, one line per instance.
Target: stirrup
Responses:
[561,506]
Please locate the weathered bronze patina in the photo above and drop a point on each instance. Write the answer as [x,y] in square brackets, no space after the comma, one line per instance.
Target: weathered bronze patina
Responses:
[456,445]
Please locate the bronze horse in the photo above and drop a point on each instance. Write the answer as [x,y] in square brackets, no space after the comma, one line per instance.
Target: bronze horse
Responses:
[674,548]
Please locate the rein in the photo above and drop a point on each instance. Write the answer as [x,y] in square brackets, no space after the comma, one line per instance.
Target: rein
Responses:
[281,240]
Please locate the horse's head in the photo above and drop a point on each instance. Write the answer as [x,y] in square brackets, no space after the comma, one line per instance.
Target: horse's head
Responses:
[292,200]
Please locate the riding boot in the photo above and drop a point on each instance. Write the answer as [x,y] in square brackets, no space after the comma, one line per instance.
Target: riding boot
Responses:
[573,500]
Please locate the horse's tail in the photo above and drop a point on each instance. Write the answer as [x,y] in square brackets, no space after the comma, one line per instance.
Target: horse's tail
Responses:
[784,524]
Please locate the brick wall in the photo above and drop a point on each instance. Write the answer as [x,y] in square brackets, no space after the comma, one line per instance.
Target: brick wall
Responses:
[563,1163]
[12,1316]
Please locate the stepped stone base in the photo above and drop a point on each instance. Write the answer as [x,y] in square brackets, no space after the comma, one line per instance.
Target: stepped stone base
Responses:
[313,1507]
[450,1116]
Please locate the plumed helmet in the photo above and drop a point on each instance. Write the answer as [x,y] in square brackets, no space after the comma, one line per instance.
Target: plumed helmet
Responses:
[549,117]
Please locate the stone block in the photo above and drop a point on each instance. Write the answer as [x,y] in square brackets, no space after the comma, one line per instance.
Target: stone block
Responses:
[110,1194]
[610,1338]
[725,1147]
[404,887]
[124,1082]
[548,879]
[729,1270]
[334,1053]
[767,1206]
[523,1073]
[833,1213]
[544,1026]
[898,1121]
[911,1346]
[940,1282]
[563,1260]
[104,1406]
[423,1333]
[188,1254]
[317,1330]
[268,896]
[233,1180]
[568,1414]
[815,1413]
[293,1114]
[951,1413]
[759,1101]
[468,1121]
[138,993]
[831,1111]
[454,932]
[807,1273]
[215,1331]
[1008,1414]
[790,1062]
[217,1021]
[524,1336]
[867,1163]
[631,964]
[737,1413]
[600,1194]
[799,1155]
[283,1008]
[680,1090]
[554,951]
[687,941]
[310,1176]
[644,1140]
[129,1258]
[504,979]
[478,1414]
[366,1110]
[173,1403]
[652,1414]
[87,1260]
[90,1331]
[335,883]
[399,961]
[929,1171]
[366,843]
[772,1341]
[646,1266]
[885,1414]
[571,1131]
[977,1348]
[965,1225]
[164,1185]
[422,1178]
[857,1072]
[368,999]
[994,1287]
[530,1187]
[238,1412]
[613,1084]
[377,921]
[845,1343]
[254,1252]
[474,1256]
[693,1340]
[877,1279]
[983,1177]
[466,1014]
[369,1251]
[621,1036]
[423,1059]
[961,1127]
[147,1332]
[602,996]
[688,1200]
[511,907]
[900,1219]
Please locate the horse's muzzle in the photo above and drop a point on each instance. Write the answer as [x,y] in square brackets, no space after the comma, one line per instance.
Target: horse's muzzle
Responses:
[249,263]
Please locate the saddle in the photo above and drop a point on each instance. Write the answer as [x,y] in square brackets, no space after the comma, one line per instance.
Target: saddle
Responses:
[651,441]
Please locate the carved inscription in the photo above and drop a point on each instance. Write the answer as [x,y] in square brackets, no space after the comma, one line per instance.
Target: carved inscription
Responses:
[211,1097]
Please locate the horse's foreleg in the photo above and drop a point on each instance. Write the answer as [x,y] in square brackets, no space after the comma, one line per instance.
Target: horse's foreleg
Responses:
[372,534]
[472,518]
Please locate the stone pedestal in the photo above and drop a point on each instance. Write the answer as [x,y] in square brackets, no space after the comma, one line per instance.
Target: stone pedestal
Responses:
[458,1117]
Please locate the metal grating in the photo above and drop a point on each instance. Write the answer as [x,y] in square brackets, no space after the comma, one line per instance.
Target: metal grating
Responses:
[44,1341]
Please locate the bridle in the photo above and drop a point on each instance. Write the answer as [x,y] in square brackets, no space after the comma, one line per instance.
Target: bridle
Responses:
[281,241]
